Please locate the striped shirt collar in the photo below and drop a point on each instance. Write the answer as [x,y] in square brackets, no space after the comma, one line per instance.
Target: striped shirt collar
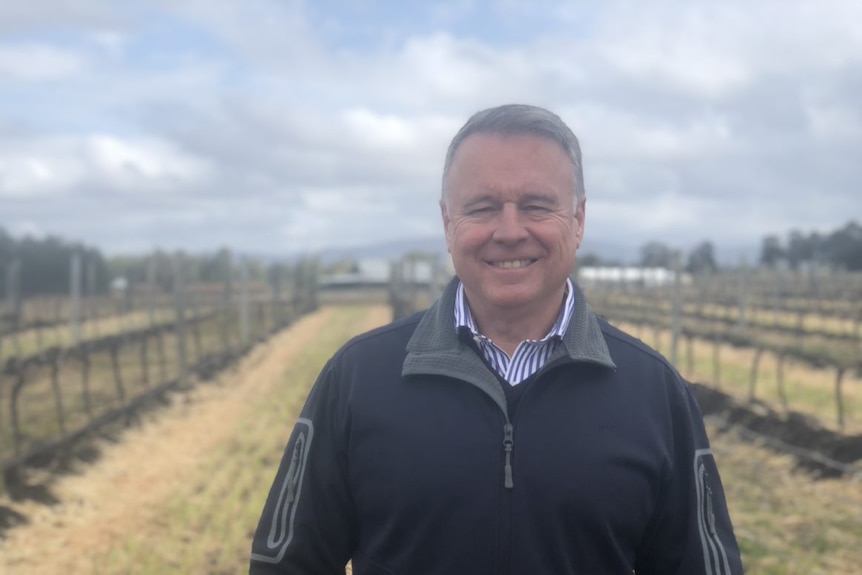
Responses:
[531,354]
[464,317]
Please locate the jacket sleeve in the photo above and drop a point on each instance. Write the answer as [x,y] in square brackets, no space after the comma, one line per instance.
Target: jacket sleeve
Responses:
[691,531]
[306,527]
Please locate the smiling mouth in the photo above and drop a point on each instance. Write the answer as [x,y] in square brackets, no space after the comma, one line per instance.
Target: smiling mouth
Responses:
[512,264]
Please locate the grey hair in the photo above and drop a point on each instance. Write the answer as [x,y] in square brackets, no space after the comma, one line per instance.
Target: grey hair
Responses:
[519,119]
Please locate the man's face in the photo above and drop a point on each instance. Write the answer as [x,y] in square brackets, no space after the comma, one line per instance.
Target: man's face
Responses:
[511,224]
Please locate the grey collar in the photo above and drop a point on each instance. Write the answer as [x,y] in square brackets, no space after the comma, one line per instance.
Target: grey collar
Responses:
[435,349]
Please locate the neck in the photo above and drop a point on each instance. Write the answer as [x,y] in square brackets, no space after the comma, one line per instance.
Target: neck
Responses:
[507,328]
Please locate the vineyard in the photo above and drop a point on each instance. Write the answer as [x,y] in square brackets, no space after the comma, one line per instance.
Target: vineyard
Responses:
[774,359]
[70,367]
[790,341]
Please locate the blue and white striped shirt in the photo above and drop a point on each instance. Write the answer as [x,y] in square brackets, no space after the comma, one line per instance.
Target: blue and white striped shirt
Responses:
[530,355]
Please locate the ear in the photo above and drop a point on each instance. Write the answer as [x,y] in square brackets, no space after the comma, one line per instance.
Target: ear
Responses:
[580,218]
[444,214]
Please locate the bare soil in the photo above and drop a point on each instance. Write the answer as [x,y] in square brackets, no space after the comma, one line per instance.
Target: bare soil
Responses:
[842,454]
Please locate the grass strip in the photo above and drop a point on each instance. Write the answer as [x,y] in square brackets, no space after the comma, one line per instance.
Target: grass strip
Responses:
[206,528]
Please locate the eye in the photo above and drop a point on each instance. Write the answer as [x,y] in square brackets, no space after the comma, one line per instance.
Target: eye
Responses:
[536,208]
[480,211]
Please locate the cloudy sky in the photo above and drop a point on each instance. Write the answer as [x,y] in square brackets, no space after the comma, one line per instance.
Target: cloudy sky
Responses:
[279,126]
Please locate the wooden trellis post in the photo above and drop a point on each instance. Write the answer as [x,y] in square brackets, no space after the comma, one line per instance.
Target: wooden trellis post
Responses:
[742,296]
[163,360]
[20,370]
[227,294]
[676,310]
[13,293]
[151,290]
[85,380]
[115,366]
[75,299]
[56,360]
[145,366]
[779,378]
[755,364]
[243,304]
[716,360]
[839,396]
[180,314]
[689,340]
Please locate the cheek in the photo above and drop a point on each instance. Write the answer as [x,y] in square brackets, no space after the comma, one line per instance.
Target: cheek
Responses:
[563,236]
[466,237]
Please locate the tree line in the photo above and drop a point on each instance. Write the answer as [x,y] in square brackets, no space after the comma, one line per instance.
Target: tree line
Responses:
[45,264]
[44,267]
[219,266]
[840,249]
[657,254]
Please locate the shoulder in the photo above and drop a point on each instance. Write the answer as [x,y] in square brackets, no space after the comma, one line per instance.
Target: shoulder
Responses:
[652,378]
[631,354]
[370,360]
[626,343]
[391,338]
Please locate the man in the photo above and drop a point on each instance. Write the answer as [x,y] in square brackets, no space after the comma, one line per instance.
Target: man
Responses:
[507,429]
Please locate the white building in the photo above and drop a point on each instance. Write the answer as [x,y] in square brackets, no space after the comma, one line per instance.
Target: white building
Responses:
[649,277]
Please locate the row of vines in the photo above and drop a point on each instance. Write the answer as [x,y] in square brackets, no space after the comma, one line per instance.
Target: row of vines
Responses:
[64,379]
[805,318]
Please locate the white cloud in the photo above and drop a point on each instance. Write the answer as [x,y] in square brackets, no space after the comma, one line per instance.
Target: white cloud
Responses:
[716,49]
[60,166]
[380,132]
[614,134]
[691,58]
[42,168]
[143,162]
[252,125]
[19,17]
[34,62]
[835,123]
[270,34]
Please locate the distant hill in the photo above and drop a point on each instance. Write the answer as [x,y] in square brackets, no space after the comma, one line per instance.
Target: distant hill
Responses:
[380,250]
[388,250]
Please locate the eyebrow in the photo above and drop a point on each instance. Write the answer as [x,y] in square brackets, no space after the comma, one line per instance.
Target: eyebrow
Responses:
[535,197]
[540,197]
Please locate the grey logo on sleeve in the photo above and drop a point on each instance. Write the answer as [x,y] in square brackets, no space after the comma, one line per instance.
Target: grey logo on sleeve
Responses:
[714,555]
[281,530]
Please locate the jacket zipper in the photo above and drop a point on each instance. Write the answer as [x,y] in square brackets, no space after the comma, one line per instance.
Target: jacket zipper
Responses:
[508,445]
[504,567]
[509,435]
[508,477]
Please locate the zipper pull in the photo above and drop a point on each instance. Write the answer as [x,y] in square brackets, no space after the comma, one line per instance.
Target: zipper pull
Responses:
[508,443]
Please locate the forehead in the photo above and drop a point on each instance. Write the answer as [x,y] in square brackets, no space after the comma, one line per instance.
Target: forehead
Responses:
[509,164]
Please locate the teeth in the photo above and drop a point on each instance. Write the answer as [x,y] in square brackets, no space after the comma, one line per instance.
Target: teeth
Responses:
[512,264]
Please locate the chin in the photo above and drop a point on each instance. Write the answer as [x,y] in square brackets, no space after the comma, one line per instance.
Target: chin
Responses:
[511,300]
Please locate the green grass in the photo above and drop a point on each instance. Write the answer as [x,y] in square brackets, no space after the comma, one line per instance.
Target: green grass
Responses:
[786,522]
[36,340]
[38,421]
[808,390]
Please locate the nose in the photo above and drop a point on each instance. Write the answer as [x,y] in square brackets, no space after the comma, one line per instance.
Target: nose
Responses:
[509,227]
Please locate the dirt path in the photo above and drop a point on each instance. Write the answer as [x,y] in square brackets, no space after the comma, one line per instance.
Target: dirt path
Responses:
[101,503]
